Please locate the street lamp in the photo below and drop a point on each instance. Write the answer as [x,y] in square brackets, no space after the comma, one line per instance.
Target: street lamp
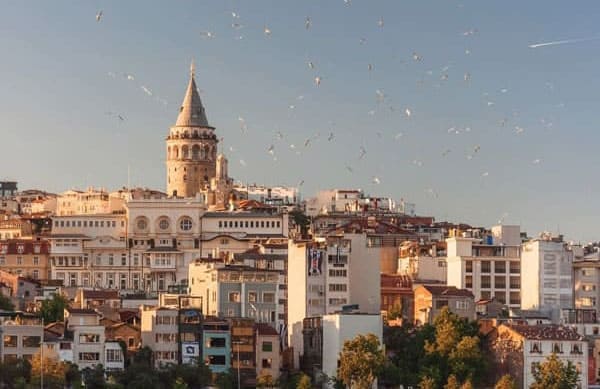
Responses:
[238,342]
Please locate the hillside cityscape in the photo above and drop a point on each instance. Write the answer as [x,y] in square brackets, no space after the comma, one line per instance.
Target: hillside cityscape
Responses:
[213,278]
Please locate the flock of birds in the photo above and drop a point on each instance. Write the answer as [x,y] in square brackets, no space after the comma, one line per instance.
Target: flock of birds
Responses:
[380,99]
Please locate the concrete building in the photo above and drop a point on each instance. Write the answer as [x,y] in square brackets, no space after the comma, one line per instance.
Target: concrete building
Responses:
[88,337]
[586,283]
[327,274]
[21,336]
[25,257]
[340,327]
[519,348]
[236,290]
[546,274]
[431,299]
[243,349]
[268,357]
[278,196]
[159,332]
[423,262]
[216,344]
[114,360]
[8,189]
[487,263]
[352,201]
[89,202]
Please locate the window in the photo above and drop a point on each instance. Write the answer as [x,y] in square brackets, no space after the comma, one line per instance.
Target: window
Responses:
[216,359]
[266,363]
[163,224]
[131,342]
[141,224]
[10,341]
[111,259]
[499,282]
[19,260]
[216,342]
[468,281]
[336,301]
[123,260]
[337,287]
[89,338]
[469,266]
[515,268]
[536,347]
[557,348]
[515,298]
[500,267]
[486,282]
[252,297]
[268,297]
[439,304]
[185,224]
[89,356]
[114,356]
[234,297]
[267,346]
[338,273]
[36,260]
[36,274]
[486,267]
[462,304]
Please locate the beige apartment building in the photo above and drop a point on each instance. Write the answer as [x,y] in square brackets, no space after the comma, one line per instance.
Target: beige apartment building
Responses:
[25,257]
[160,333]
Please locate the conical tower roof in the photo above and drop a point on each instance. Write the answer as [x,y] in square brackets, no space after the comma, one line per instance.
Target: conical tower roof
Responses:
[191,112]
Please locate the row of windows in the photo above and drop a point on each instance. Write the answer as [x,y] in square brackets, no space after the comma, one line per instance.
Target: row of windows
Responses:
[165,320]
[499,267]
[249,224]
[557,348]
[499,282]
[165,338]
[338,301]
[338,287]
[26,341]
[267,297]
[20,260]
[338,273]
[165,355]
[87,223]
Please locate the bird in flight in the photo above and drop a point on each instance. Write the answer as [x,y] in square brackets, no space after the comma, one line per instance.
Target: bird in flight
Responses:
[99,15]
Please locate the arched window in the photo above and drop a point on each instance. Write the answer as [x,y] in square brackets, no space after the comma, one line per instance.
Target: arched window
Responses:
[185,152]
[206,152]
[202,153]
[169,152]
[175,152]
[195,152]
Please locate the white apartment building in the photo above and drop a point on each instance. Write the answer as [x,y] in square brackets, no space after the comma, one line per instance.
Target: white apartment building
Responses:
[487,264]
[271,195]
[88,337]
[327,274]
[546,272]
[160,332]
[340,327]
[426,262]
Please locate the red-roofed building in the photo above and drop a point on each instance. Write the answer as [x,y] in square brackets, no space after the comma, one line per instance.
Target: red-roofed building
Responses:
[519,348]
[397,298]
[25,257]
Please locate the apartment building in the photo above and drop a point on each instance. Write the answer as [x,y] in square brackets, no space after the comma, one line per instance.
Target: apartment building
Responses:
[268,357]
[546,273]
[488,263]
[216,344]
[21,336]
[25,257]
[159,331]
[423,261]
[236,290]
[329,273]
[88,336]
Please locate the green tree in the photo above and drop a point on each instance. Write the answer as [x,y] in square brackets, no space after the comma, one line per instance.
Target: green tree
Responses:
[554,374]
[94,377]
[465,359]
[452,383]
[226,380]
[505,382]
[54,309]
[6,304]
[53,370]
[265,381]
[427,383]
[395,311]
[300,219]
[11,369]
[304,382]
[361,361]
[180,384]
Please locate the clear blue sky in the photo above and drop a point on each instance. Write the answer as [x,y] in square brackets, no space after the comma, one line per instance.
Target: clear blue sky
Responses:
[61,72]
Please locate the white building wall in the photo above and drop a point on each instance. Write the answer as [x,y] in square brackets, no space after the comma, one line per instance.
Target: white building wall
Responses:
[297,297]
[338,328]
[580,361]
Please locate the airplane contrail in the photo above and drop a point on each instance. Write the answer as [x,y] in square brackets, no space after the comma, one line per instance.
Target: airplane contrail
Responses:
[562,42]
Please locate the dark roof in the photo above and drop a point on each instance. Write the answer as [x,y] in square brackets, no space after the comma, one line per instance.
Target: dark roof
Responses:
[444,290]
[101,294]
[265,329]
[78,311]
[24,246]
[545,332]
[128,315]
[395,281]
